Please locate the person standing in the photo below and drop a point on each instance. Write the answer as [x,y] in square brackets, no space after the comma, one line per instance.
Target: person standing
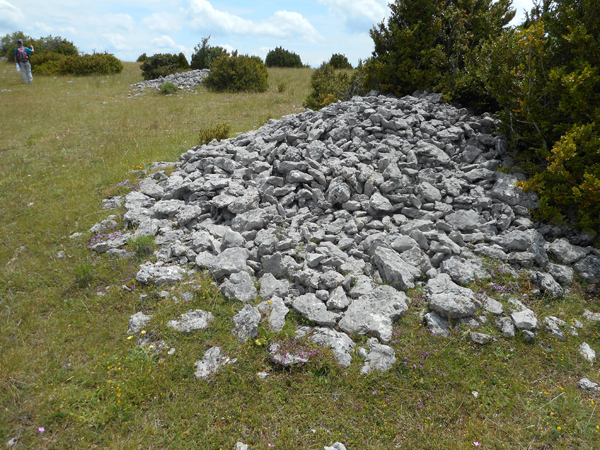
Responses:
[22,59]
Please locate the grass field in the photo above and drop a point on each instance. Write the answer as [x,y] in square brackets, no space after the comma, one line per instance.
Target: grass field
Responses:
[71,378]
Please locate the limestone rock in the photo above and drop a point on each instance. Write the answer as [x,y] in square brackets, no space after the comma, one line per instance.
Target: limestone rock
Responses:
[239,286]
[194,319]
[448,299]
[310,307]
[246,323]
[380,357]
[137,322]
[524,320]
[211,362]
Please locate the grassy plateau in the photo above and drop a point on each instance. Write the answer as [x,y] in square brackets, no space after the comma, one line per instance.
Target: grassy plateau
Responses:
[71,376]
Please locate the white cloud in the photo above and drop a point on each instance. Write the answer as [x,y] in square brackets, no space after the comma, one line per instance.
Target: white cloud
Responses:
[10,16]
[43,27]
[163,22]
[359,15]
[165,42]
[122,21]
[281,24]
[118,41]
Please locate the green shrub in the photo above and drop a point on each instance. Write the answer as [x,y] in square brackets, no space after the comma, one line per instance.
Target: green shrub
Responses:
[545,76]
[238,74]
[283,58]
[218,132]
[95,64]
[143,57]
[205,54]
[163,64]
[428,44]
[182,61]
[168,88]
[46,62]
[329,87]
[339,61]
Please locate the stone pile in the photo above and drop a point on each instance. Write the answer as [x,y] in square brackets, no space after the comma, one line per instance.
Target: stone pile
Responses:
[183,80]
[323,208]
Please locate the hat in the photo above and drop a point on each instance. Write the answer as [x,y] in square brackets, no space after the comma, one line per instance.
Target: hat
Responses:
[19,41]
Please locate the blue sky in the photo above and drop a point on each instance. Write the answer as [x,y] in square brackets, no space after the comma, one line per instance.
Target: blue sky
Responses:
[314,29]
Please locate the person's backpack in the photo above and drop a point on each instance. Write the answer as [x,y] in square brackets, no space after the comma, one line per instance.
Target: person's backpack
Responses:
[22,54]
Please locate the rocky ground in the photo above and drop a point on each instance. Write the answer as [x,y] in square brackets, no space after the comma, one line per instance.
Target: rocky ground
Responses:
[337,213]
[183,80]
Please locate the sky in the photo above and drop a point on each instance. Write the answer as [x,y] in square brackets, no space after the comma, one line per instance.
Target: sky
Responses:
[314,29]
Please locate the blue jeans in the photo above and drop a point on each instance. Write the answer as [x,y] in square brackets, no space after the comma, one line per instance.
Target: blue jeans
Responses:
[26,72]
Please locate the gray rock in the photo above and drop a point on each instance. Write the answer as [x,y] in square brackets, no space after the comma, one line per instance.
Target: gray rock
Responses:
[338,299]
[339,343]
[279,265]
[524,320]
[239,286]
[449,299]
[547,284]
[562,274]
[194,319]
[310,307]
[336,446]
[588,315]
[492,306]
[276,311]
[380,204]
[380,357]
[437,325]
[587,385]
[270,286]
[587,352]
[394,269]
[565,253]
[232,239]
[246,323]
[137,322]
[464,220]
[373,314]
[211,362]
[506,326]
[240,446]
[231,260]
[553,325]
[589,269]
[461,271]
[481,338]
[159,274]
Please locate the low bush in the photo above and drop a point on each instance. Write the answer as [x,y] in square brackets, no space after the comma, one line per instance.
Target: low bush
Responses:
[329,87]
[163,64]
[218,132]
[339,61]
[46,62]
[95,64]
[143,57]
[168,88]
[283,58]
[235,73]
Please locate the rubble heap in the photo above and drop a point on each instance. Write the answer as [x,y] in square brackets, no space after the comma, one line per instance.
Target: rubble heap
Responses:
[183,80]
[338,212]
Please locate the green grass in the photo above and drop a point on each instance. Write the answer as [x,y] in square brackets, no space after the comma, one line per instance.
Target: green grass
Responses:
[68,365]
